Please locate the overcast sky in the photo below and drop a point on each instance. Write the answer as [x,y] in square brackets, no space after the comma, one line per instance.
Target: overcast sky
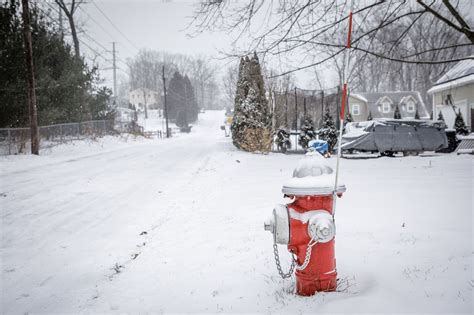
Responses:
[153,24]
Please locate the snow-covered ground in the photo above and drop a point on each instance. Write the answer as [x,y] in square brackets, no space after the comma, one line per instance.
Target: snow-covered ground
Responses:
[176,225]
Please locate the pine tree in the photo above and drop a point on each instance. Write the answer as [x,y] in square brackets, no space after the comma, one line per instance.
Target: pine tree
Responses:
[369,117]
[459,124]
[307,132]
[417,115]
[182,119]
[396,114]
[440,116]
[192,109]
[175,95]
[328,131]
[67,89]
[251,125]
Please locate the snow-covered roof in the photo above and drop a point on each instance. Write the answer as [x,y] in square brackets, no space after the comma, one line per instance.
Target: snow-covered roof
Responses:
[359,97]
[461,74]
[374,99]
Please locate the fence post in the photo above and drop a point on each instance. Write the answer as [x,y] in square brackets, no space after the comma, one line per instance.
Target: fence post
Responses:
[60,133]
[9,142]
[104,128]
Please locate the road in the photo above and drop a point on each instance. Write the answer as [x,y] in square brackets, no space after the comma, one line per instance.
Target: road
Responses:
[175,225]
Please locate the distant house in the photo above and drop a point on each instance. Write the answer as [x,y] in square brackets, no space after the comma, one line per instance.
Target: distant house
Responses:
[383,105]
[454,91]
[142,97]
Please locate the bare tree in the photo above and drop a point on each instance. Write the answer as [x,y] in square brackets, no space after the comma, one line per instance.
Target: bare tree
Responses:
[69,10]
[316,27]
[202,74]
[146,67]
[229,81]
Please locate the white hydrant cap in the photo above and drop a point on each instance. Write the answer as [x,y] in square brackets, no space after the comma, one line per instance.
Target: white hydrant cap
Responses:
[312,176]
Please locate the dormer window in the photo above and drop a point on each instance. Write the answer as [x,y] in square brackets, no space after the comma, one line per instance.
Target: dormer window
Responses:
[410,106]
[386,107]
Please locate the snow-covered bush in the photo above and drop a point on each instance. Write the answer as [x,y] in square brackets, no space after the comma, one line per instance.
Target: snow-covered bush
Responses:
[307,132]
[328,131]
[251,125]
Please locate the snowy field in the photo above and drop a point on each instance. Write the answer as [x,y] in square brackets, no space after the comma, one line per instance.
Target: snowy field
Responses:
[176,225]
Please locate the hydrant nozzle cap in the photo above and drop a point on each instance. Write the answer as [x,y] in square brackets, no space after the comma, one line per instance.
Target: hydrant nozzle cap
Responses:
[312,176]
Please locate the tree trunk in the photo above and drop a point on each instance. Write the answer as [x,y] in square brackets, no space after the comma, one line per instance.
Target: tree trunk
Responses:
[31,79]
[72,25]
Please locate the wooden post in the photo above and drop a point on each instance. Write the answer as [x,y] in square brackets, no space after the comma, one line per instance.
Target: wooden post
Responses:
[9,141]
[30,78]
[166,106]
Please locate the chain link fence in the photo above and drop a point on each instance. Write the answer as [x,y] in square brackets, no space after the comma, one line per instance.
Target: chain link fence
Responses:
[17,140]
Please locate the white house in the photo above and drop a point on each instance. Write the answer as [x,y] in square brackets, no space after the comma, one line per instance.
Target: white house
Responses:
[454,91]
[383,105]
[142,97]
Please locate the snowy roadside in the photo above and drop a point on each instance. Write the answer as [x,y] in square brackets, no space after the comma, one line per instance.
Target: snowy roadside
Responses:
[177,226]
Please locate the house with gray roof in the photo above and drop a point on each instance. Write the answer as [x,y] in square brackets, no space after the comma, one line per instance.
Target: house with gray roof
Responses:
[454,92]
[382,105]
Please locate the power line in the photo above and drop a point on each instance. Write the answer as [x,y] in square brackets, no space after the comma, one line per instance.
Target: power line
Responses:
[82,41]
[116,28]
[95,21]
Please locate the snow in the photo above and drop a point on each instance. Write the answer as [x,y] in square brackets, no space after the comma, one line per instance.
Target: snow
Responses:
[452,84]
[360,97]
[176,225]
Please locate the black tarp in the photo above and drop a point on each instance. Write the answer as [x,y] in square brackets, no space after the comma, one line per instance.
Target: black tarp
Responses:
[397,135]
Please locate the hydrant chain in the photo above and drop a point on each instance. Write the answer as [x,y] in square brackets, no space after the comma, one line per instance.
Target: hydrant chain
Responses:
[277,262]
[307,258]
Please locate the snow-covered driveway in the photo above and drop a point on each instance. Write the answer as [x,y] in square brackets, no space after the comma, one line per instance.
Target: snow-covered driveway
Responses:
[177,226]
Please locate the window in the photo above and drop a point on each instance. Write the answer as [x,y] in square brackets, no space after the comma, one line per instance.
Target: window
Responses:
[386,107]
[356,109]
[410,106]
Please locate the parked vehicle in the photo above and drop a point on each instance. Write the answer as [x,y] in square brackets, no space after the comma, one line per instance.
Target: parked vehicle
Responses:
[388,137]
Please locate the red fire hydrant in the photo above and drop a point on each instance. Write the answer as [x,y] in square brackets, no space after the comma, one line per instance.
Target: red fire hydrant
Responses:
[306,225]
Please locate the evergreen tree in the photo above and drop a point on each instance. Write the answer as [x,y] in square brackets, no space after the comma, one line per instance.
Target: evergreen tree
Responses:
[328,131]
[307,132]
[397,114]
[417,115]
[459,124]
[251,125]
[369,117]
[66,87]
[440,116]
[175,95]
[191,105]
[182,119]
[182,104]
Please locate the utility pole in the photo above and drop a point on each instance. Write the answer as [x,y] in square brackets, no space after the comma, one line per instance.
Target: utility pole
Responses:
[31,79]
[114,65]
[61,28]
[304,107]
[166,105]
